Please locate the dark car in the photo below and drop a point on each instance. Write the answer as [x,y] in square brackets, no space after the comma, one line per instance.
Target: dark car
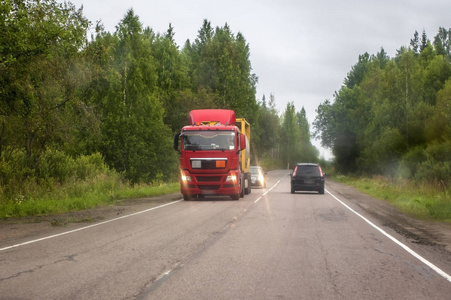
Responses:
[258,176]
[307,177]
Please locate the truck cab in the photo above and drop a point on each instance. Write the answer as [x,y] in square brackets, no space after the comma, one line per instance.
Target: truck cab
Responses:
[210,155]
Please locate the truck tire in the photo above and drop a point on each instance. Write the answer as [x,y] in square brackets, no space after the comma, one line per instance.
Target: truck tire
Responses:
[235,197]
[186,197]
[247,182]
[242,187]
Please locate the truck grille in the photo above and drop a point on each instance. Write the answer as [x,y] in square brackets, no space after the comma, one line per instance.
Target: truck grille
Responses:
[208,187]
[208,178]
[208,163]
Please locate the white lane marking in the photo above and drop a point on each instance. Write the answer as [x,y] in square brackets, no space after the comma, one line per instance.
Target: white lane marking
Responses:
[269,190]
[90,226]
[410,251]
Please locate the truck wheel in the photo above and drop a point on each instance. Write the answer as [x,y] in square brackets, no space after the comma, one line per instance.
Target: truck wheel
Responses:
[247,191]
[235,197]
[242,188]
[186,197]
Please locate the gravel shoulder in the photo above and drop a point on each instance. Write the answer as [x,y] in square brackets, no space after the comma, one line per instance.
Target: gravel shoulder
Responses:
[422,232]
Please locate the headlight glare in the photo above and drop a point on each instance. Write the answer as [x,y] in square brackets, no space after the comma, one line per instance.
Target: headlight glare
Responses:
[186,178]
[231,178]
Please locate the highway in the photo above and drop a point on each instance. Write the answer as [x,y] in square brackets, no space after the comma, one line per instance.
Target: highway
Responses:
[268,245]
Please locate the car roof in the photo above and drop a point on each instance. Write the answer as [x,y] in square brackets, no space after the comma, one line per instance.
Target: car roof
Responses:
[306,164]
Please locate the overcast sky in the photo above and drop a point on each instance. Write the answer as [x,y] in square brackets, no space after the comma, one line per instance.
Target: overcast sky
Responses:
[301,50]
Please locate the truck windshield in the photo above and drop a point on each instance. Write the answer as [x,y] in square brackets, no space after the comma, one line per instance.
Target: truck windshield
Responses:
[208,140]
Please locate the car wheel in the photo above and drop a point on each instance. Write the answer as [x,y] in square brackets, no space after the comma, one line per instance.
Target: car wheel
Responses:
[292,190]
[321,191]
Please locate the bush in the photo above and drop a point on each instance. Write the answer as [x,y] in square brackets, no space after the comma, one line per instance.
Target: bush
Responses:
[89,166]
[411,161]
[437,167]
[55,164]
[54,171]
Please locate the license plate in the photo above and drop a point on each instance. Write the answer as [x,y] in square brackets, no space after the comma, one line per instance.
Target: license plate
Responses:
[208,192]
[309,181]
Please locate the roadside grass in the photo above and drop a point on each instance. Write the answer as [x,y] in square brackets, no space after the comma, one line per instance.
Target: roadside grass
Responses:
[428,201]
[79,195]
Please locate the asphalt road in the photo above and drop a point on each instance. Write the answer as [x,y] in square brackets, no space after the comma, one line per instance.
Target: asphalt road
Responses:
[268,245]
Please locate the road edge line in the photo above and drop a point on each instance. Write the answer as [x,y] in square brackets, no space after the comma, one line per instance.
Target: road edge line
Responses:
[87,227]
[406,248]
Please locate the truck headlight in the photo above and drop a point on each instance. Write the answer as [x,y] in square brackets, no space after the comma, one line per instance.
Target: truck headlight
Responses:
[231,178]
[186,178]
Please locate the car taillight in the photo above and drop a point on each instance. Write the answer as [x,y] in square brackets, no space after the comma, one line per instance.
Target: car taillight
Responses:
[321,171]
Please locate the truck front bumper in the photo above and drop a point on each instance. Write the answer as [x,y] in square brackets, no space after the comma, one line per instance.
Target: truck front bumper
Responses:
[209,184]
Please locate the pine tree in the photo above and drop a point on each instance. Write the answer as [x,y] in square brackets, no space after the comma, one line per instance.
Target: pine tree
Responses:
[414,43]
[424,41]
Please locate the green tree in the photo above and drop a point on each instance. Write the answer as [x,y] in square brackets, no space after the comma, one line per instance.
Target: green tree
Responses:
[135,139]
[308,152]
[290,136]
[390,115]
[39,74]
[438,126]
[355,76]
[435,74]
[424,41]
[415,43]
[173,80]
[265,142]
[221,66]
[442,42]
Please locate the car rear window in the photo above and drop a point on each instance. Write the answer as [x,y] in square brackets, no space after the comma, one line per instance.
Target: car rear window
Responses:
[307,171]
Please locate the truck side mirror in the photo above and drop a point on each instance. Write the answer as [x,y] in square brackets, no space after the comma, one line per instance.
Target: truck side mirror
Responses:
[176,141]
[242,141]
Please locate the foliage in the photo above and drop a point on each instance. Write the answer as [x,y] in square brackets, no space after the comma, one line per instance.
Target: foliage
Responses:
[78,113]
[392,115]
[295,138]
[219,62]
[135,141]
[39,75]
[429,201]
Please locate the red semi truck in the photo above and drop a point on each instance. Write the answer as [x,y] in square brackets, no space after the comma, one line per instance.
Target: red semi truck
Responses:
[214,154]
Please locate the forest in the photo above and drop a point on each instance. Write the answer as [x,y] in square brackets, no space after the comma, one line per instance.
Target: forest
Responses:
[77,108]
[81,106]
[392,116]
